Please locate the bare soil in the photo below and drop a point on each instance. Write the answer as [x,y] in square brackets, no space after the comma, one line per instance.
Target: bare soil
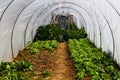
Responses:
[58,62]
[62,65]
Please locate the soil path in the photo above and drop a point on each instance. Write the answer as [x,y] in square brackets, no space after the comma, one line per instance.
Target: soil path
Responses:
[62,65]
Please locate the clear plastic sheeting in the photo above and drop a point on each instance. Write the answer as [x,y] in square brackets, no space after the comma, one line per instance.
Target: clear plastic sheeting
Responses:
[19,20]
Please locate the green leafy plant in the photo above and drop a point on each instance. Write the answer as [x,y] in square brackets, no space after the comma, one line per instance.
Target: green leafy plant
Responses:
[54,32]
[116,75]
[96,77]
[110,69]
[14,70]
[46,73]
[106,76]
[80,75]
[35,47]
[13,76]
[93,61]
[23,66]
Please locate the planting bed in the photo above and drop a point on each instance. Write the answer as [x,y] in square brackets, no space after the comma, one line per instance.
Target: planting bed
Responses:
[46,64]
[90,62]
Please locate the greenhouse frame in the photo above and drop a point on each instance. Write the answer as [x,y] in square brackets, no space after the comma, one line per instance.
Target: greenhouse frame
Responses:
[20,19]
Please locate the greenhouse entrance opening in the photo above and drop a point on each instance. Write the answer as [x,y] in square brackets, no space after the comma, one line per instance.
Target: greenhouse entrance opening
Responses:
[64,20]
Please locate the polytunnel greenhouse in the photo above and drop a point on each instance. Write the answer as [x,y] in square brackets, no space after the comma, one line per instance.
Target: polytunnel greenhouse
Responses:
[59,40]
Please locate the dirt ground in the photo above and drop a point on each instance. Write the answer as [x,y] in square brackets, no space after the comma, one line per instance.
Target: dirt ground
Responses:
[62,64]
[58,62]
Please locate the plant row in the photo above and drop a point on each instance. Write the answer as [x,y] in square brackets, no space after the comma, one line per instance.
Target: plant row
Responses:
[35,47]
[54,32]
[14,70]
[91,62]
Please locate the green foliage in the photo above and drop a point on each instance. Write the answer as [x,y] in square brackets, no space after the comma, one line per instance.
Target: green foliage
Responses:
[46,73]
[91,61]
[80,74]
[116,75]
[14,70]
[50,32]
[76,34]
[110,69]
[105,76]
[96,77]
[13,76]
[23,66]
[54,32]
[35,47]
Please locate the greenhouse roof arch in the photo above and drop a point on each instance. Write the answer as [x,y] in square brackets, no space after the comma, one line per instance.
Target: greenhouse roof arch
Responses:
[16,21]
